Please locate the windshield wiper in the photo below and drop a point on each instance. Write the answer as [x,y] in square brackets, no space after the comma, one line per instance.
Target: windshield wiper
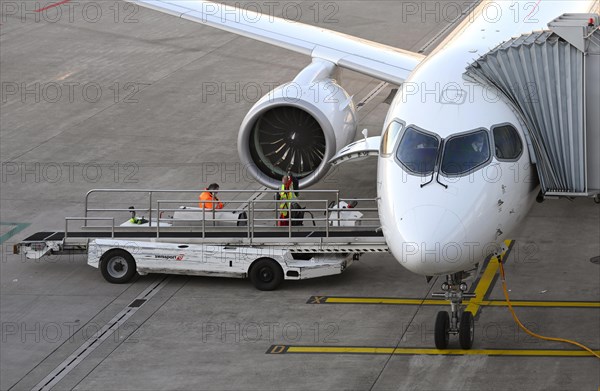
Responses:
[436,169]
[429,181]
[437,177]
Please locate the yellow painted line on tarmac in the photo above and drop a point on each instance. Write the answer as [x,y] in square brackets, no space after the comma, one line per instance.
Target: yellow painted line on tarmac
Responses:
[481,290]
[525,303]
[484,303]
[381,300]
[291,349]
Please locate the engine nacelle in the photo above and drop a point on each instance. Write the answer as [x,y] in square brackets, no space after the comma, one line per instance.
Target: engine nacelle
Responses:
[298,127]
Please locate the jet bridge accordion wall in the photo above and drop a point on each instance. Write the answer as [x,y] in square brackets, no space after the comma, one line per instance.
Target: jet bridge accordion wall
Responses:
[554,85]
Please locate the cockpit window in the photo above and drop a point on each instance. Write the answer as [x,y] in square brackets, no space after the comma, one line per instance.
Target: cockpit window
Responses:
[508,143]
[417,151]
[389,137]
[465,152]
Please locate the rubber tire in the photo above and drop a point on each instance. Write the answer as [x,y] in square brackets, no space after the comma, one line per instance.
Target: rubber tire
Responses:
[442,330]
[466,330]
[266,274]
[105,261]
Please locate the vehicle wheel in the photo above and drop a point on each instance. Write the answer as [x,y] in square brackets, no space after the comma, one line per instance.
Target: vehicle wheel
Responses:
[466,332]
[117,266]
[442,330]
[266,274]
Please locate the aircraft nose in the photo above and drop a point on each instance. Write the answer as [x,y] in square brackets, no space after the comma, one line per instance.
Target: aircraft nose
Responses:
[434,240]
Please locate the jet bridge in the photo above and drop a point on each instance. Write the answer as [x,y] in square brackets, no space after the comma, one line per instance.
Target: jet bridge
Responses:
[552,78]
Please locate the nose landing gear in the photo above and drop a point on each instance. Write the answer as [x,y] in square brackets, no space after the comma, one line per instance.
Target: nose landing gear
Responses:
[459,321]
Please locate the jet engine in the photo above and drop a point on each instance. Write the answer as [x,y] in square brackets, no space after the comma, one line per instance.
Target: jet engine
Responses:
[298,127]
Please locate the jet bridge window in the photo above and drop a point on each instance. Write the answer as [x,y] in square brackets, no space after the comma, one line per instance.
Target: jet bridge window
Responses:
[507,142]
[389,137]
[417,151]
[466,152]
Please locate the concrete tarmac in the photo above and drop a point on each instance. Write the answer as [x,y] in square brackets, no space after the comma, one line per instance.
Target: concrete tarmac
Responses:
[108,95]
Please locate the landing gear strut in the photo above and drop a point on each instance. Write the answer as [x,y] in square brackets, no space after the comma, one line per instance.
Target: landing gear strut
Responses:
[459,321]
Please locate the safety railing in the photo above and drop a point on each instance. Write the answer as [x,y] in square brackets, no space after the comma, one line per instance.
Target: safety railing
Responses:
[244,213]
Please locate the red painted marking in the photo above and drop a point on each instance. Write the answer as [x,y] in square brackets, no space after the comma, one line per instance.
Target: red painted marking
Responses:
[535,6]
[52,5]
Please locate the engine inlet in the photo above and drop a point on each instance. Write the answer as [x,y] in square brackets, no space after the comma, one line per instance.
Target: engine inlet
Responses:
[287,139]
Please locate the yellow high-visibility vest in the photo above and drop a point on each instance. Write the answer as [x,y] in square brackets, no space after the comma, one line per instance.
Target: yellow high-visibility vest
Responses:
[287,196]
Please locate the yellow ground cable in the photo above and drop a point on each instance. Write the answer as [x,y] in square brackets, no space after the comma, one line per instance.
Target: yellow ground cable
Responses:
[529,331]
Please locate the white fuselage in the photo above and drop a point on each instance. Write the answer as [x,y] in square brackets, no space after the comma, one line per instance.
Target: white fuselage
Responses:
[434,230]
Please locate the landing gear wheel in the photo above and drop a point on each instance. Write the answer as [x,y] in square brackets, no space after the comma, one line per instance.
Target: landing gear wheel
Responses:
[117,266]
[266,274]
[442,330]
[466,332]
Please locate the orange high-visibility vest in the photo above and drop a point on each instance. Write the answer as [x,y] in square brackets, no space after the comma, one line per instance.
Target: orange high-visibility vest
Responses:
[207,197]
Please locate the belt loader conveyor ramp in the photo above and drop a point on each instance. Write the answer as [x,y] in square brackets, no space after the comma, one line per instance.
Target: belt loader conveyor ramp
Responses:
[324,237]
[552,78]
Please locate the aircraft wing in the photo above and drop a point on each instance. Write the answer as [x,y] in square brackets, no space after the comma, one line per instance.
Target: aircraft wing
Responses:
[367,57]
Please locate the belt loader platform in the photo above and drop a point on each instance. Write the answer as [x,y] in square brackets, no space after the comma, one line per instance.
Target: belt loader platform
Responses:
[244,239]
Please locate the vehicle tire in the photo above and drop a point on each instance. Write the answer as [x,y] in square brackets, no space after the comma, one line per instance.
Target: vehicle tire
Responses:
[117,266]
[266,274]
[442,330]
[466,331]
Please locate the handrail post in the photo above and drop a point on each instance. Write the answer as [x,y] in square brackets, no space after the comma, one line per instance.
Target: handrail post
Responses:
[157,219]
[203,221]
[276,204]
[150,209]
[85,214]
[248,220]
[289,217]
[67,227]
[251,221]
[113,228]
[326,219]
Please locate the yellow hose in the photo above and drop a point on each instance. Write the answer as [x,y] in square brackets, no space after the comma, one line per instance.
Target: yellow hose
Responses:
[529,331]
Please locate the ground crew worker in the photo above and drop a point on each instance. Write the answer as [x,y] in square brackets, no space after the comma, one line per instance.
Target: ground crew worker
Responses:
[208,196]
[134,219]
[286,195]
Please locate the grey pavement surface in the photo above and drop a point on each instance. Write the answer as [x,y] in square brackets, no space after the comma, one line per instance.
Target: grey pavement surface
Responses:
[134,112]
